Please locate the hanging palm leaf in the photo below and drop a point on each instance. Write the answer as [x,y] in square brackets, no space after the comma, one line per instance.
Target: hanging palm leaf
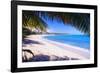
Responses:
[80,21]
[33,19]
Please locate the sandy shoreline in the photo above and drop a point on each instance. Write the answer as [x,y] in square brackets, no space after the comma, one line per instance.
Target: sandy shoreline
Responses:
[53,50]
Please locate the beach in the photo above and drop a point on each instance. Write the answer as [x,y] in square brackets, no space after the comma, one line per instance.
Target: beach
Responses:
[37,48]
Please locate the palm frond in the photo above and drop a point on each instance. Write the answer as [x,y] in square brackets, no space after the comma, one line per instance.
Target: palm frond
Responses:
[30,19]
[81,21]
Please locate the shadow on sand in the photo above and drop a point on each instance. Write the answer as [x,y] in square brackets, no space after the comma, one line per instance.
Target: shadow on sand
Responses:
[42,57]
[28,41]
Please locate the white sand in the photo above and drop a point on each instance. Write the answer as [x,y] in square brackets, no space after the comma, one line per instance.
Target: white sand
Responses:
[52,48]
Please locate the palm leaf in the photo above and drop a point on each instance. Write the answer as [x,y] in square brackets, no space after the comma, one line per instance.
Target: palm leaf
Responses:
[31,20]
[81,21]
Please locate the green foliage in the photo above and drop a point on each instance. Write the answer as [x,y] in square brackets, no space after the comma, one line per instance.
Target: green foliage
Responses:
[34,20]
[81,21]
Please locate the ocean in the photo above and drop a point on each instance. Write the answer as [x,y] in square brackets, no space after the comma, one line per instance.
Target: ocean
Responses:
[82,41]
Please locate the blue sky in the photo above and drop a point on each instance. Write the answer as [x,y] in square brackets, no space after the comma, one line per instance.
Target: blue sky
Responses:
[58,27]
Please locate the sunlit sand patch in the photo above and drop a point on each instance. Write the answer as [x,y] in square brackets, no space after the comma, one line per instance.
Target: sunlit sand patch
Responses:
[46,50]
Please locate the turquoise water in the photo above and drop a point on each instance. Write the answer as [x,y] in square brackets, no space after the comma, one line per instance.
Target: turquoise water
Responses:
[82,41]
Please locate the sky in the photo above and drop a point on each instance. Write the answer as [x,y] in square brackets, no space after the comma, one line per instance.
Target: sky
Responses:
[58,27]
